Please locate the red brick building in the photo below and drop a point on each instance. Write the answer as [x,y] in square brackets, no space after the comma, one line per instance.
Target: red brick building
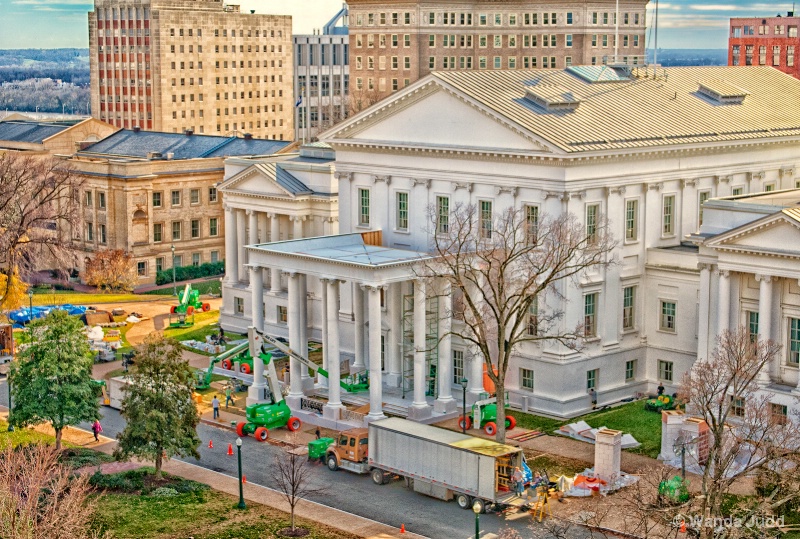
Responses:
[768,41]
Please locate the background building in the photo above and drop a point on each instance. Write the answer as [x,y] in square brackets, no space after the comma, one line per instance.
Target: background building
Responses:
[54,137]
[321,77]
[200,65]
[146,191]
[770,41]
[397,42]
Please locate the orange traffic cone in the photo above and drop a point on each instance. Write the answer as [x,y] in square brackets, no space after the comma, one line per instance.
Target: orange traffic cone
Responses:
[683,526]
[230,450]
[402,528]
[210,444]
[244,478]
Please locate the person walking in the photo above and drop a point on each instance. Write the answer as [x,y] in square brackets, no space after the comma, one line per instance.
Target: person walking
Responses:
[519,481]
[660,388]
[593,396]
[97,429]
[228,395]
[317,433]
[215,406]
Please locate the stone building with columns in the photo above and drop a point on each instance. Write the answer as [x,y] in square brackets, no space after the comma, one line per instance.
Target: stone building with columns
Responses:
[651,150]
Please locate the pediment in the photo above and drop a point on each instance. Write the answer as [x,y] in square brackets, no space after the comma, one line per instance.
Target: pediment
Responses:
[437,116]
[264,179]
[775,235]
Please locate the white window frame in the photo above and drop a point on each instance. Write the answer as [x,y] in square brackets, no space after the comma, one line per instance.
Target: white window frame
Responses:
[631,221]
[629,318]
[484,230]
[458,357]
[666,367]
[593,333]
[668,219]
[363,217]
[527,379]
[631,366]
[442,218]
[401,223]
[663,318]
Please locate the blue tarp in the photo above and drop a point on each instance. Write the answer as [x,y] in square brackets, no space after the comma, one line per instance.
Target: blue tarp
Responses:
[23,316]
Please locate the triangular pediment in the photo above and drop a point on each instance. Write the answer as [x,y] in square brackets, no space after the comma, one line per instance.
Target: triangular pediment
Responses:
[265,179]
[434,115]
[775,235]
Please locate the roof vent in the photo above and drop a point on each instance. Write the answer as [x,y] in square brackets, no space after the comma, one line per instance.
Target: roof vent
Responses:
[248,136]
[722,92]
[594,74]
[170,155]
[154,155]
[552,98]
[189,132]
[136,128]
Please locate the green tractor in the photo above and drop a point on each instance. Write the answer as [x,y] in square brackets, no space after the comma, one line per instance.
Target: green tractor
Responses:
[188,302]
[484,416]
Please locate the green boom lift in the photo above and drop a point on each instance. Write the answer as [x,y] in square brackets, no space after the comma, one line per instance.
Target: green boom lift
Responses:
[188,302]
[484,415]
[203,377]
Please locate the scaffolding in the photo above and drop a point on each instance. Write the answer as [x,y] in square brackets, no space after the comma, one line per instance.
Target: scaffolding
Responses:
[431,347]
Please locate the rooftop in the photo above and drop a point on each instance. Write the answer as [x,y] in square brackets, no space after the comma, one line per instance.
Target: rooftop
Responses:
[128,143]
[32,132]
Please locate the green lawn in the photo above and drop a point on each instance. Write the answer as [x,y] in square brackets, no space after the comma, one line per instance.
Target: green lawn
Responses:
[60,297]
[204,324]
[212,286]
[21,436]
[632,418]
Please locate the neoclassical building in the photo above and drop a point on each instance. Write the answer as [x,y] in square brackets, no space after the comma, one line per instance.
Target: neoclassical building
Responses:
[674,158]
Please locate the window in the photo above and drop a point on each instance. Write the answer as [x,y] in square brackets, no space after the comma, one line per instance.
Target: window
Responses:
[195,228]
[533,318]
[776,55]
[176,230]
[569,40]
[212,194]
[486,218]
[667,321]
[569,17]
[526,379]
[363,209]
[238,305]
[101,230]
[88,199]
[498,62]
[591,379]
[177,261]
[283,314]
[737,406]
[402,211]
[752,325]
[665,370]
[531,224]
[762,55]
[779,413]
[213,226]
[592,211]
[668,216]
[736,191]
[458,366]
[790,55]
[157,200]
[141,268]
[101,201]
[157,232]
[631,219]
[630,370]
[628,307]
[590,315]
[194,196]
[195,259]
[794,341]
[89,231]
[176,198]
[214,257]
[159,264]
[769,187]
[442,215]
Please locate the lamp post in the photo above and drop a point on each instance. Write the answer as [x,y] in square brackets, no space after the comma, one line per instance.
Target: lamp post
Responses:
[464,383]
[476,508]
[174,289]
[241,504]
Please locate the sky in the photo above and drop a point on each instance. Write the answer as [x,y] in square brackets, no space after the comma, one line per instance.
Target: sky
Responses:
[683,24]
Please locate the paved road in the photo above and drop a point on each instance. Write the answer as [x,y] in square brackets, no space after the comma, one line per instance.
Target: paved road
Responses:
[391,504]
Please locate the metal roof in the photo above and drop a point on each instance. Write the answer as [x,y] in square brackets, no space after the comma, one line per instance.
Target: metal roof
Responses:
[32,132]
[643,111]
[129,143]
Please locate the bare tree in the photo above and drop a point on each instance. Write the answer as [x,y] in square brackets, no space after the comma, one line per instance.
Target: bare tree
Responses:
[361,99]
[508,271]
[294,477]
[747,433]
[38,207]
[40,498]
[112,271]
[648,511]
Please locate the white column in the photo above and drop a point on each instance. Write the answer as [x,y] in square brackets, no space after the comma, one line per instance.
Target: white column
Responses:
[240,243]
[419,408]
[297,227]
[704,303]
[252,218]
[256,392]
[724,301]
[274,235]
[445,402]
[764,318]
[263,226]
[395,340]
[231,250]
[331,410]
[293,315]
[375,375]
[307,381]
[475,378]
[358,316]
[321,380]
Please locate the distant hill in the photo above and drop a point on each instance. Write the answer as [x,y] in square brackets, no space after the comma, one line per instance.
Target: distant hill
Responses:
[68,65]
[690,57]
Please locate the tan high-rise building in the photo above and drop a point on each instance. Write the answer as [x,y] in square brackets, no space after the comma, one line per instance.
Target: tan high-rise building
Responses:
[200,65]
[395,42]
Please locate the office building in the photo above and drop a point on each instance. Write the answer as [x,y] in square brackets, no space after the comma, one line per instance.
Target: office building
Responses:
[770,41]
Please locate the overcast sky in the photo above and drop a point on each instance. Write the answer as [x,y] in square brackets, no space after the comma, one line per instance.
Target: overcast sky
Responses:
[62,23]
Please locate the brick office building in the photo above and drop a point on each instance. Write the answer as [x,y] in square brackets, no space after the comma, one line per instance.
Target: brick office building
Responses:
[768,41]
[177,65]
[395,42]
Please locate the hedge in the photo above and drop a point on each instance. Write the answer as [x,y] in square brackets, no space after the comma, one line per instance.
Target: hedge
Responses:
[183,273]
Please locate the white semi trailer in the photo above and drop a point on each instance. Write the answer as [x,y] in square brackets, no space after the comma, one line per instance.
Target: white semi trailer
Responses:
[444,464]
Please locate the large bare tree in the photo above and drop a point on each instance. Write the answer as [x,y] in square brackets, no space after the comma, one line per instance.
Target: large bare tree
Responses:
[507,272]
[748,433]
[39,206]
[295,479]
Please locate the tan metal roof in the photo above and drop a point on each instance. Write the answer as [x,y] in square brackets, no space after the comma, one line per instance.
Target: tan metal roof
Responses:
[642,112]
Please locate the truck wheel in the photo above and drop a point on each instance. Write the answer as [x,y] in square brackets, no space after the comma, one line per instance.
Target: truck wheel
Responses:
[240,429]
[261,434]
[481,505]
[464,422]
[189,310]
[172,309]
[226,364]
[206,307]
[378,477]
[511,422]
[294,424]
[245,368]
[490,428]
[464,501]
[333,465]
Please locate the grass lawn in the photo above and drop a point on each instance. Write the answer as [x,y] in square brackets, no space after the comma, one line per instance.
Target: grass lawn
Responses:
[60,297]
[645,426]
[204,324]
[21,436]
[212,286]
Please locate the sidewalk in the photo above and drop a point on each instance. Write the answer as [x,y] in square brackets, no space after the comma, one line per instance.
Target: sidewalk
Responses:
[347,522]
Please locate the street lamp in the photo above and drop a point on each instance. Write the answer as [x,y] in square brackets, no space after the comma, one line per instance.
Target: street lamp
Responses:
[464,383]
[477,507]
[241,488]
[174,289]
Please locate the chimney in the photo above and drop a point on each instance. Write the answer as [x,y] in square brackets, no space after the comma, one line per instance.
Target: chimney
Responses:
[252,11]
[248,136]
[189,132]
[136,128]
[790,14]
[153,155]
